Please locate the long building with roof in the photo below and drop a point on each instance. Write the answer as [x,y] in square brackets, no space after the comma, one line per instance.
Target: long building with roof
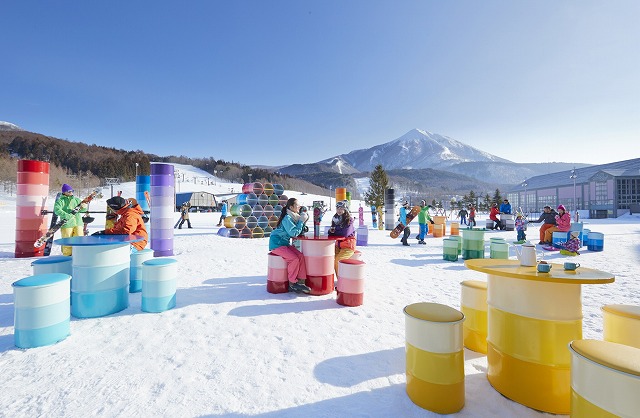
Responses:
[605,191]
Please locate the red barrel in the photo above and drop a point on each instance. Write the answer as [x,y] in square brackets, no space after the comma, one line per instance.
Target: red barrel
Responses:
[350,282]
[31,198]
[277,279]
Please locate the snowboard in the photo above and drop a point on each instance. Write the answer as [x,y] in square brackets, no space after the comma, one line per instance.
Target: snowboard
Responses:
[54,219]
[374,218]
[318,212]
[395,233]
[49,234]
[550,248]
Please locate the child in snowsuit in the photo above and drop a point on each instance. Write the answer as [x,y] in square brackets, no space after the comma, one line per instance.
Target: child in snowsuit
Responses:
[574,244]
[520,224]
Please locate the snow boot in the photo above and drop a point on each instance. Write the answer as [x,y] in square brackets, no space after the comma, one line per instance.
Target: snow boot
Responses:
[299,287]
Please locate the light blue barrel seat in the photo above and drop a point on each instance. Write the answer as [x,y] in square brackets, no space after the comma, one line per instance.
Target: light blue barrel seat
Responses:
[135,269]
[41,309]
[52,264]
[159,280]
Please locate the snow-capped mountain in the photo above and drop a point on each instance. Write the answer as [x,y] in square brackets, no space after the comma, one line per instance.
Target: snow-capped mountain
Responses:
[416,149]
[7,126]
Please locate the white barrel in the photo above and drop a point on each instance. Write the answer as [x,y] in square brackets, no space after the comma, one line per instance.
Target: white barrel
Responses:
[52,264]
[41,309]
[135,268]
[159,282]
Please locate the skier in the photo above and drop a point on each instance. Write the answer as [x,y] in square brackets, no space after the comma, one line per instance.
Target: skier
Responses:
[290,225]
[129,222]
[223,213]
[342,226]
[184,213]
[62,208]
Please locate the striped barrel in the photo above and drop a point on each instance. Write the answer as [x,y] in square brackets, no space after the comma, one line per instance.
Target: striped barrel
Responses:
[473,305]
[434,357]
[268,210]
[362,236]
[596,241]
[258,188]
[246,210]
[350,282]
[100,284]
[621,324]
[455,228]
[472,243]
[263,199]
[277,278]
[559,238]
[252,199]
[252,222]
[268,189]
[240,200]
[532,369]
[499,250]
[32,191]
[162,209]
[449,249]
[458,239]
[274,200]
[234,233]
[135,269]
[257,211]
[319,255]
[159,281]
[440,220]
[278,189]
[52,264]
[263,222]
[143,184]
[438,230]
[41,309]
[605,379]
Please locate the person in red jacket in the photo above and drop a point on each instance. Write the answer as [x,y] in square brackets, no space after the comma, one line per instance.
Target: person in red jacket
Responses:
[493,215]
[129,222]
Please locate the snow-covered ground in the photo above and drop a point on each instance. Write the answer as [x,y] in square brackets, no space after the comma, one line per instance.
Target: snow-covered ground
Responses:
[231,349]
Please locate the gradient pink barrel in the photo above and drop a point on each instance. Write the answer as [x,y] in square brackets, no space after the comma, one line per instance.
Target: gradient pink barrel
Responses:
[277,279]
[319,255]
[31,199]
[162,209]
[350,282]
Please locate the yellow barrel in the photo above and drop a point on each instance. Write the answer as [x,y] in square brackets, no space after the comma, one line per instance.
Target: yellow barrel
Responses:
[621,324]
[474,307]
[455,228]
[341,193]
[229,222]
[605,379]
[268,189]
[441,220]
[434,357]
[257,232]
[438,231]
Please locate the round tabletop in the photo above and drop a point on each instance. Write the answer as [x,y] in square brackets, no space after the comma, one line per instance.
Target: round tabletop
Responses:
[98,240]
[513,269]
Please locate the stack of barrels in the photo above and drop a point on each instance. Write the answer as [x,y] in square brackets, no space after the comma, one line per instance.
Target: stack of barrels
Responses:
[256,211]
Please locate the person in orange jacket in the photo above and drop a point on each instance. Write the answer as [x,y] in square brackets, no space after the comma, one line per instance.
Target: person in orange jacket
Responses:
[129,222]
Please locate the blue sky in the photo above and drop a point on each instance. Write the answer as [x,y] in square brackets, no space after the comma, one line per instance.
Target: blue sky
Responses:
[279,82]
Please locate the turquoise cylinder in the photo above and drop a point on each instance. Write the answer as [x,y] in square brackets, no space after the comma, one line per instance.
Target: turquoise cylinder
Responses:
[143,184]
[135,269]
[159,282]
[458,239]
[558,238]
[585,236]
[242,199]
[596,241]
[53,264]
[41,309]
[449,249]
[473,243]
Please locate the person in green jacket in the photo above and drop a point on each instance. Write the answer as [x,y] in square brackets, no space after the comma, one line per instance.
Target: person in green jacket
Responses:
[423,217]
[62,208]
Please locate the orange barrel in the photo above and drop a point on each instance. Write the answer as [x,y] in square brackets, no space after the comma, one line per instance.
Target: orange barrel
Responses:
[268,211]
[350,282]
[257,211]
[247,188]
[268,189]
[263,199]
[341,193]
[430,228]
[252,222]
[434,357]
[438,230]
[441,220]
[257,232]
[357,255]
[258,188]
[239,222]
[274,199]
[319,256]
[267,231]
[282,200]
[235,210]
[246,233]
[234,233]
[474,307]
[32,192]
[455,228]
[229,221]
[278,189]
[246,210]
[277,279]
[252,199]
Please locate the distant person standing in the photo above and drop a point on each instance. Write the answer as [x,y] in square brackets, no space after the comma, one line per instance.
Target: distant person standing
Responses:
[423,217]
[463,216]
[223,213]
[403,219]
[73,226]
[472,215]
[184,213]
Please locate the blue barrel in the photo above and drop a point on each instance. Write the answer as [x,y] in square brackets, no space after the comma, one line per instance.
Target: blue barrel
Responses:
[362,236]
[278,189]
[559,238]
[135,269]
[252,199]
[596,241]
[41,309]
[223,232]
[143,184]
[52,264]
[159,280]
[585,237]
[241,199]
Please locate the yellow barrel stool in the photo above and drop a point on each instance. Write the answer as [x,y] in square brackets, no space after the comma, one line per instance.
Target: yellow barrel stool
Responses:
[605,379]
[474,307]
[621,324]
[434,357]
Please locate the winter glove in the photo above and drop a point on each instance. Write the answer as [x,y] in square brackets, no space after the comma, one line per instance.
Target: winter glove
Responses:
[304,217]
[431,222]
[97,233]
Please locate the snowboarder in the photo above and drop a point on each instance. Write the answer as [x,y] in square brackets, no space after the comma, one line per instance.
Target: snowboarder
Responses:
[223,212]
[403,219]
[184,214]
[62,208]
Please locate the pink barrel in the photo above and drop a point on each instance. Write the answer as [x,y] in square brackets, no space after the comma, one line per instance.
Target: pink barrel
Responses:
[277,279]
[319,256]
[32,192]
[350,282]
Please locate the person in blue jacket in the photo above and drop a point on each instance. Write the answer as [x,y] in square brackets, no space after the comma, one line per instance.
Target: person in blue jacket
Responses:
[290,225]
[505,207]
[403,218]
[223,211]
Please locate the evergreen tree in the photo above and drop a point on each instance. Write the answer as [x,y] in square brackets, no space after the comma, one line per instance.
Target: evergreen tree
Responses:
[378,183]
[497,197]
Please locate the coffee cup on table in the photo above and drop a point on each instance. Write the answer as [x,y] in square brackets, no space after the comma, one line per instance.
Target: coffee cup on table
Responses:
[571,266]
[544,267]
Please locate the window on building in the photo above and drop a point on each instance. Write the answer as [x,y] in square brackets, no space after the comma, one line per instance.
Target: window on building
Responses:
[628,192]
[601,193]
